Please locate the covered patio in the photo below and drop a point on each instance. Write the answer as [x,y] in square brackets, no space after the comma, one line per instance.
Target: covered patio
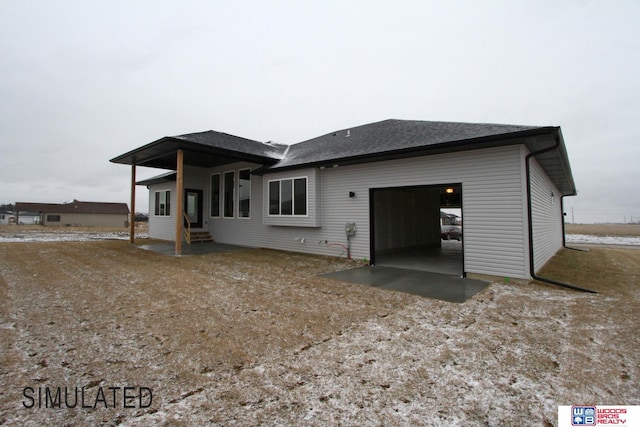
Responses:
[203,149]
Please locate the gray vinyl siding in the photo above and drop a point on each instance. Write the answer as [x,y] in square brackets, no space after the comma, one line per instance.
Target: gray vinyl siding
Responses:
[162,227]
[491,181]
[253,232]
[493,204]
[494,215]
[546,215]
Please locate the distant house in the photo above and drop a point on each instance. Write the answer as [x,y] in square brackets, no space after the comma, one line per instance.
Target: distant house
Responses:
[7,217]
[76,213]
[11,216]
[449,219]
[369,190]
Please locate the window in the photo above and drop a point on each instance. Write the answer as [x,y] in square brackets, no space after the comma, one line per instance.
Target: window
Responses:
[229,184]
[288,197]
[163,203]
[300,196]
[244,193]
[274,198]
[215,195]
[53,218]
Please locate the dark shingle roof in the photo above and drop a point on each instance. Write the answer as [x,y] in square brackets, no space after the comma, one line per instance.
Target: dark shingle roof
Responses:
[392,137]
[226,141]
[384,140]
[205,149]
[159,179]
[74,207]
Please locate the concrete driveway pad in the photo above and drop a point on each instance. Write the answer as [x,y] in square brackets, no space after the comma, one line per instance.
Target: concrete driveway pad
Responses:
[431,285]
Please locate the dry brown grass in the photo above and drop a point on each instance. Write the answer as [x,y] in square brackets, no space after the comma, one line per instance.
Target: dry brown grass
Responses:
[82,312]
[621,230]
[256,337]
[610,271]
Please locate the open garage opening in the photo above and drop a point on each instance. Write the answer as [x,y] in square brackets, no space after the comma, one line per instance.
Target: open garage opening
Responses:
[418,227]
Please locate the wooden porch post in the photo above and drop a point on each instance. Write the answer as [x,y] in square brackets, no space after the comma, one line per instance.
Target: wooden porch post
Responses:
[179,203]
[132,216]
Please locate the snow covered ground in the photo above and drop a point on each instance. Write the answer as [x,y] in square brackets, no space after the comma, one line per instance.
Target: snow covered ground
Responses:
[66,236]
[603,240]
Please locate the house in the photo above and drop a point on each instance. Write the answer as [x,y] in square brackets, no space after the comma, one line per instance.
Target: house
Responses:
[369,191]
[449,219]
[7,216]
[77,213]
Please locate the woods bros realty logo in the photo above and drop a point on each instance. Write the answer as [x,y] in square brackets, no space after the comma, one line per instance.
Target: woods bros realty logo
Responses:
[592,415]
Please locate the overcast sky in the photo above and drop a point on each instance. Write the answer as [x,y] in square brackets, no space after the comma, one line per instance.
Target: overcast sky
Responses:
[82,82]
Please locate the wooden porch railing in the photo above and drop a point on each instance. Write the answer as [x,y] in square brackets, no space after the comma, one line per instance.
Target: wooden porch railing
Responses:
[187,229]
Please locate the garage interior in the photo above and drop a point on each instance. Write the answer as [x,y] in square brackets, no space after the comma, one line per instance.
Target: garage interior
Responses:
[406,226]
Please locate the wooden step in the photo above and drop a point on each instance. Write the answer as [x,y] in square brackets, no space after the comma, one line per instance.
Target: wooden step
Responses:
[201,237]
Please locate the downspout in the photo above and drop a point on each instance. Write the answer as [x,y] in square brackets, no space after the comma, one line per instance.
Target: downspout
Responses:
[530,218]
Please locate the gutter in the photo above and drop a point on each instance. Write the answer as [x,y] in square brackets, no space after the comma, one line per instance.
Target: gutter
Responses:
[530,220]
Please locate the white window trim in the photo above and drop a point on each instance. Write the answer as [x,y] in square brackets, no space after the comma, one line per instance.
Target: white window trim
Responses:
[238,192]
[293,207]
[220,195]
[166,190]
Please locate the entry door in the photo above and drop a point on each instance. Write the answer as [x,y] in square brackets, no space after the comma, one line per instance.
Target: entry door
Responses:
[193,207]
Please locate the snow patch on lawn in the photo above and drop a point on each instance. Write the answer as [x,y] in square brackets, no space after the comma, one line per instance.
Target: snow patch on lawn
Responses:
[67,236]
[603,240]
